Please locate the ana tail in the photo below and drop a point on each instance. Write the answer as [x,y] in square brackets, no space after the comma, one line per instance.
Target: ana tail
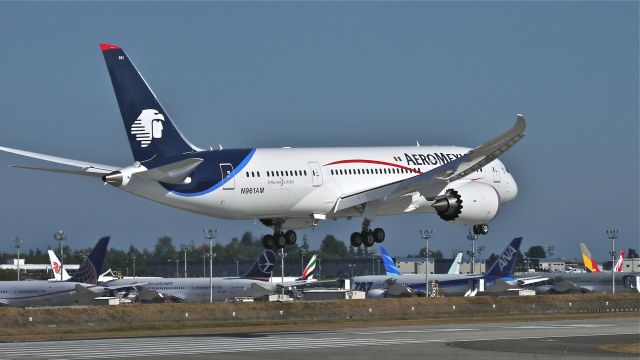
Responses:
[503,267]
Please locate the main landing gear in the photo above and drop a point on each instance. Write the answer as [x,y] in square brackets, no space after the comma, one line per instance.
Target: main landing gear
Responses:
[481,229]
[279,239]
[367,237]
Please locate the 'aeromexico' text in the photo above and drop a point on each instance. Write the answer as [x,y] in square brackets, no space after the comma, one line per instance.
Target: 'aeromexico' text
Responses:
[430,159]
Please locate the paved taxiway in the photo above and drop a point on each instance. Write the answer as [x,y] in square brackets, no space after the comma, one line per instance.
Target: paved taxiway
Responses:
[553,339]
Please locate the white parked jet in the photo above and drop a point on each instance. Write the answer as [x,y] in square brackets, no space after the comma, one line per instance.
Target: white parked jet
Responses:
[290,189]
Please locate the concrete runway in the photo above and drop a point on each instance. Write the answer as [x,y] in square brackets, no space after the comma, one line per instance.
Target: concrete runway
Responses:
[526,340]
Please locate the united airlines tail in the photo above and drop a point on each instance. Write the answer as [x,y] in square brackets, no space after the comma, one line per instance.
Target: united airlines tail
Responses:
[262,268]
[589,263]
[389,265]
[503,267]
[151,133]
[91,265]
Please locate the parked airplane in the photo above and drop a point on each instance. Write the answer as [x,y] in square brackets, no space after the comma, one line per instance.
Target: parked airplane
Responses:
[79,289]
[592,266]
[391,269]
[586,282]
[255,284]
[402,285]
[290,189]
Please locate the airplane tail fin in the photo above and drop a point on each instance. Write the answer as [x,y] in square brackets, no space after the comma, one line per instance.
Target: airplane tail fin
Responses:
[261,269]
[618,267]
[91,265]
[455,267]
[307,274]
[389,265]
[59,273]
[504,265]
[589,263]
[149,128]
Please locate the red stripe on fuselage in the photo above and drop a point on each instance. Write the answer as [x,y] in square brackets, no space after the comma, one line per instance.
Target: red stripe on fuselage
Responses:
[364,161]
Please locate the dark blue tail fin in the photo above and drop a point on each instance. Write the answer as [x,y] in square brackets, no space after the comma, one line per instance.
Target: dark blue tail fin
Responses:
[504,265]
[389,265]
[261,269]
[90,268]
[149,128]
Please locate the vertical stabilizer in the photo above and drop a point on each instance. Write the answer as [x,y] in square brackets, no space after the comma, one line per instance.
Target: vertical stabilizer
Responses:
[389,265]
[589,263]
[149,128]
[618,267]
[503,267]
[59,273]
[455,267]
[91,265]
[262,268]
[307,273]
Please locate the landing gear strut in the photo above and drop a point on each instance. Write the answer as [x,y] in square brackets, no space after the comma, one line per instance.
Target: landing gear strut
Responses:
[279,238]
[481,229]
[367,237]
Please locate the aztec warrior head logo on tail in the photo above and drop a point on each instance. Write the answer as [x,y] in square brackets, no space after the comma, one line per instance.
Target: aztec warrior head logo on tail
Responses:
[147,127]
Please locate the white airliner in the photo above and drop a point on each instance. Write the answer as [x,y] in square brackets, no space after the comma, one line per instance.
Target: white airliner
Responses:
[290,189]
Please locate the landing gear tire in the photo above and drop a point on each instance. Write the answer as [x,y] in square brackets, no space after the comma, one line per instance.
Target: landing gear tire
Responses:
[279,240]
[290,237]
[356,239]
[481,229]
[367,239]
[378,235]
[267,242]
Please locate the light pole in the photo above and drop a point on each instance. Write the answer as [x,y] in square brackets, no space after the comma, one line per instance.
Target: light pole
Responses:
[612,235]
[210,235]
[60,236]
[134,265]
[302,252]
[472,237]
[373,261]
[282,255]
[426,235]
[185,248]
[17,242]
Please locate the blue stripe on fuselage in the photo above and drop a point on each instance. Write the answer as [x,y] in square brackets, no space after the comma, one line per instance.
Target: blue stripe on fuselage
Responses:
[236,170]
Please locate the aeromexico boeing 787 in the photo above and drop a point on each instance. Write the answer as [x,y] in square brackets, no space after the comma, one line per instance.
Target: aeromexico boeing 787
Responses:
[289,189]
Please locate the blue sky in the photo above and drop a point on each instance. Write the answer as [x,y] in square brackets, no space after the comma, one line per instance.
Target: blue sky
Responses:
[330,74]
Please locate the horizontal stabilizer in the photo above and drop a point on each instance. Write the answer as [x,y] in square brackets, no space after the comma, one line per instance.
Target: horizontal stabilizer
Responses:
[95,173]
[174,173]
[87,166]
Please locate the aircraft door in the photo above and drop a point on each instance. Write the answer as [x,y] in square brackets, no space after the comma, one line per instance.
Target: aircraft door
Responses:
[496,174]
[316,174]
[228,176]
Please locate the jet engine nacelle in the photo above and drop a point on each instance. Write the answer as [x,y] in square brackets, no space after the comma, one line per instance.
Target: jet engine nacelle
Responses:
[376,293]
[468,203]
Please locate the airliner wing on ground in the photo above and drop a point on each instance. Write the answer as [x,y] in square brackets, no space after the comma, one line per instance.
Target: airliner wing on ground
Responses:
[289,189]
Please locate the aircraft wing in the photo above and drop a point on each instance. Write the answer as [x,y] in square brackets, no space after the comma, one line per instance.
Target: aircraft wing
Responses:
[531,280]
[88,168]
[431,183]
[87,292]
